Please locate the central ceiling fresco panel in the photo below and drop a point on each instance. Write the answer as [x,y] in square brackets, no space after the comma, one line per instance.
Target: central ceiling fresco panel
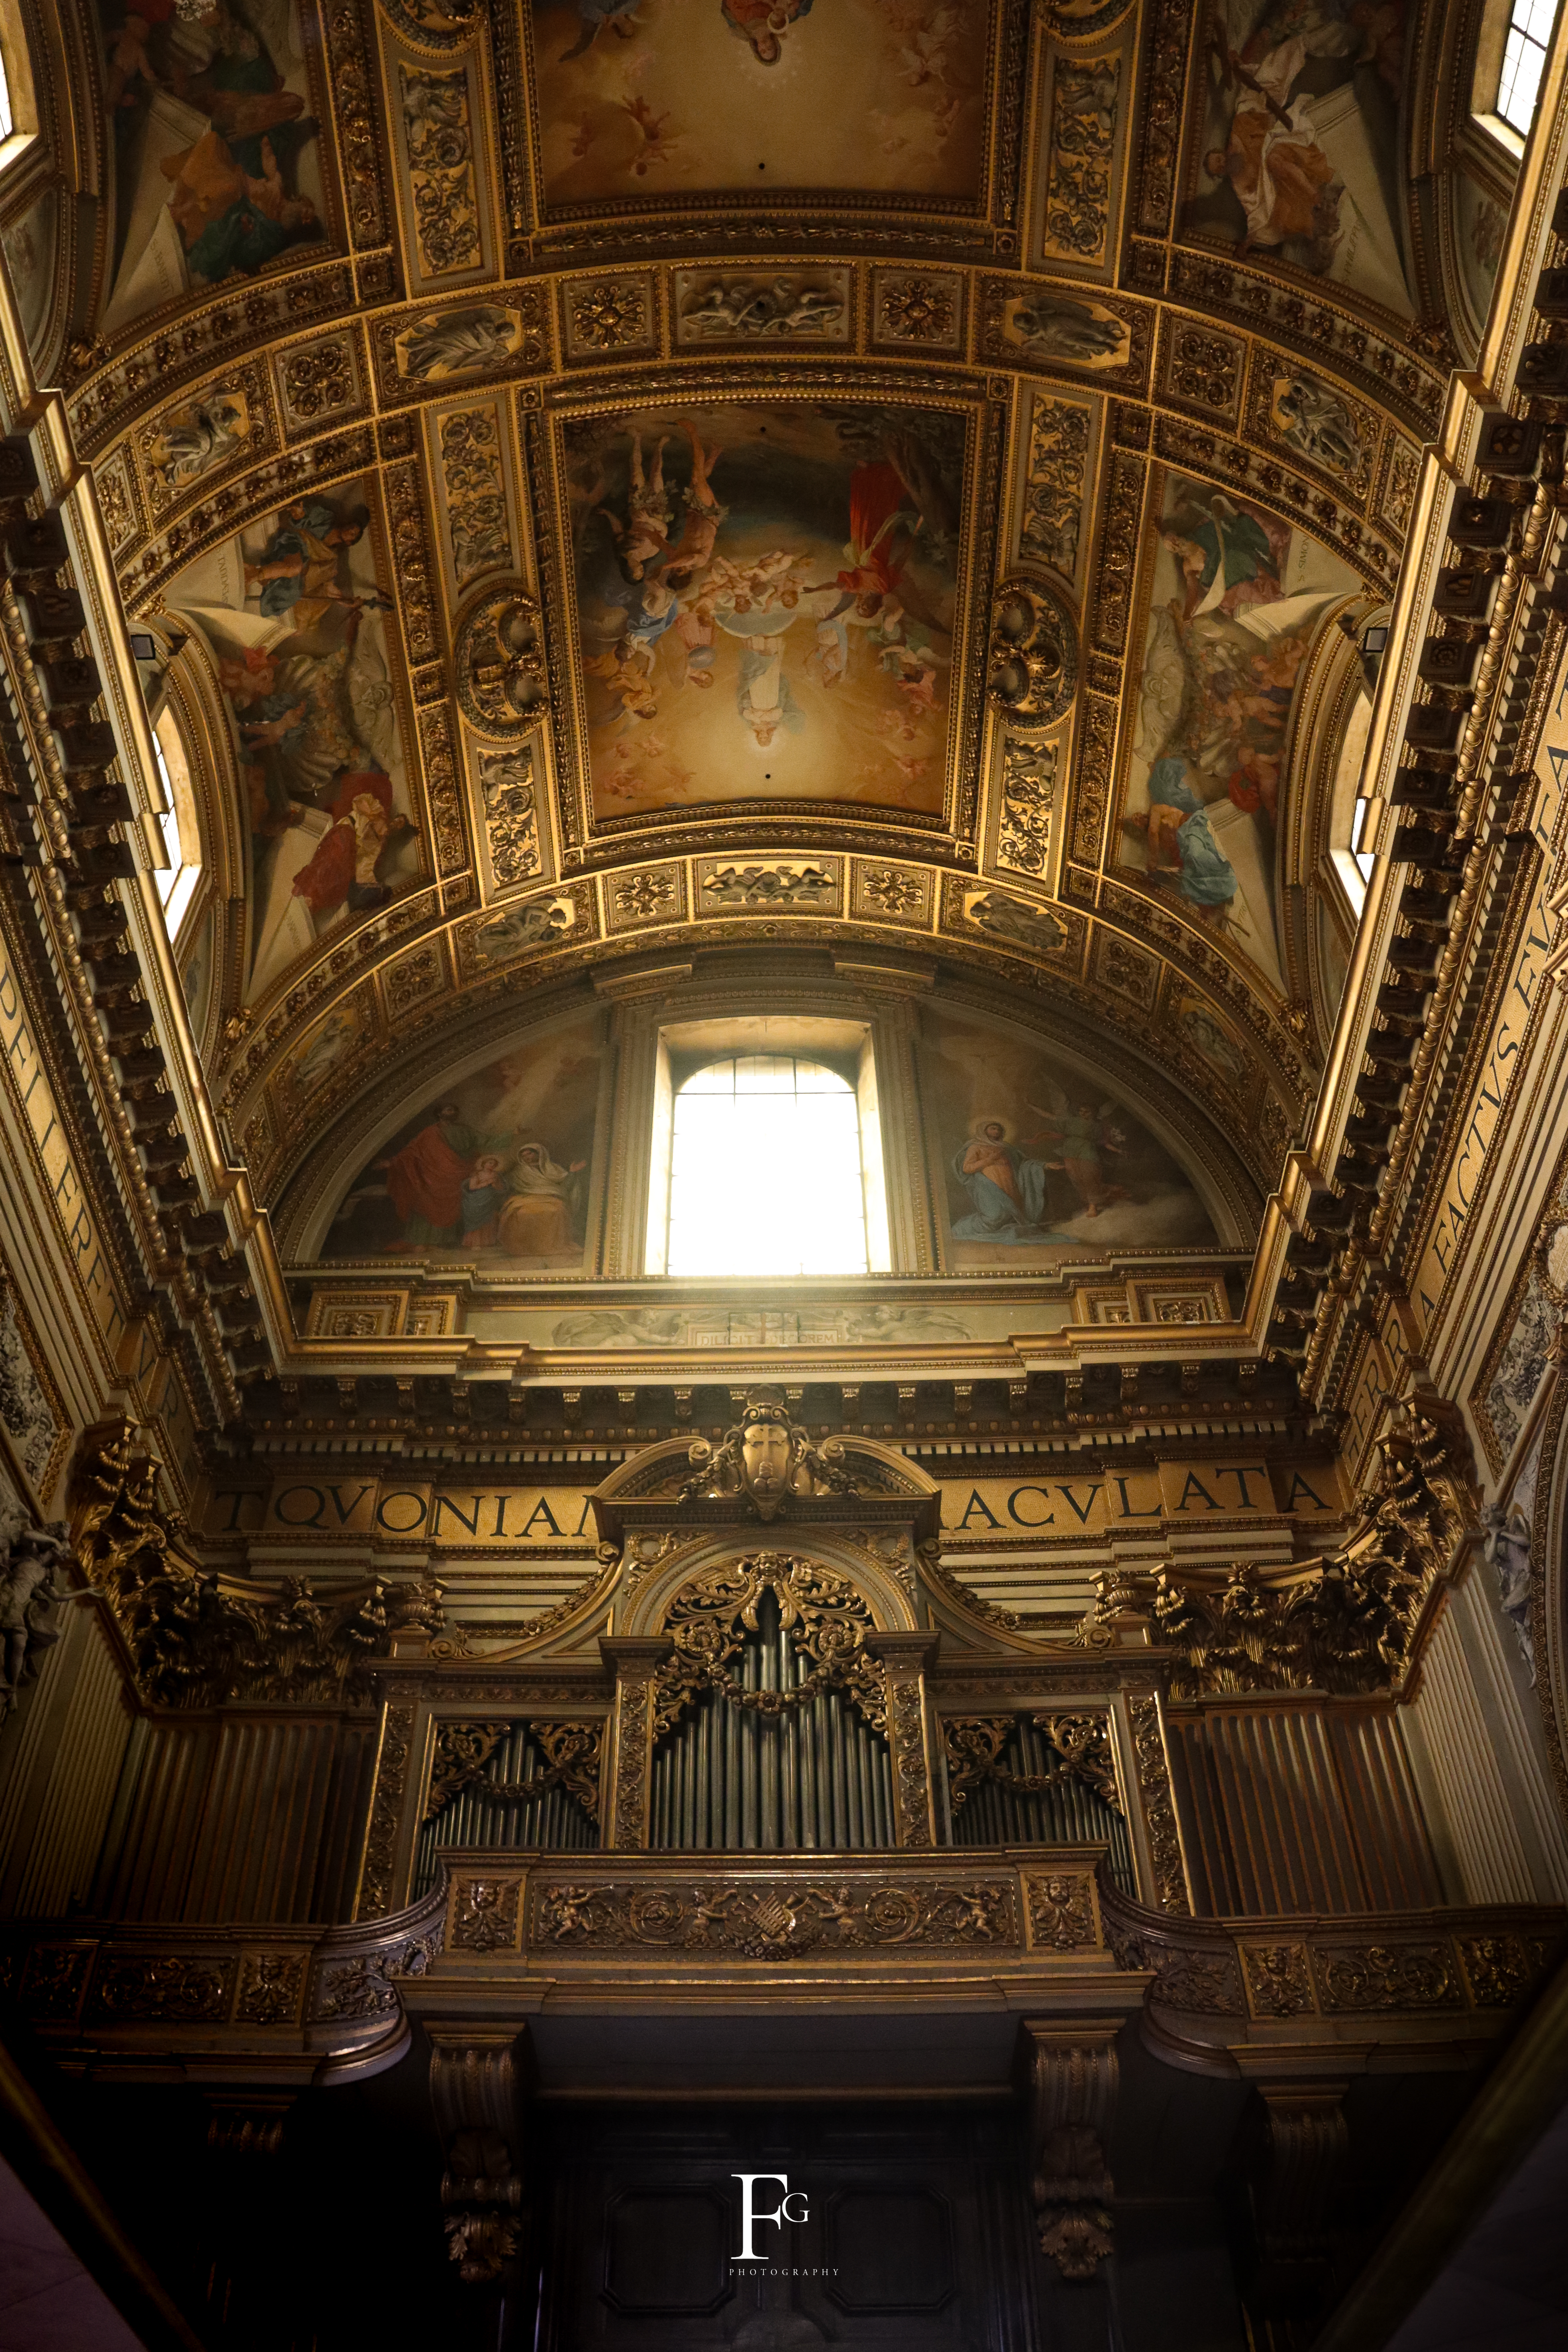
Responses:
[766,602]
[754,97]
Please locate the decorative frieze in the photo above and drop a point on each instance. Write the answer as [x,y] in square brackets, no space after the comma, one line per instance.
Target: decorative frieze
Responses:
[478,526]
[1056,481]
[438,131]
[511,814]
[778,305]
[1085,101]
[773,1917]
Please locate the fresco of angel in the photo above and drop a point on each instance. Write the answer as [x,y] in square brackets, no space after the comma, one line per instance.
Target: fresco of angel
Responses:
[817,595]
[690,96]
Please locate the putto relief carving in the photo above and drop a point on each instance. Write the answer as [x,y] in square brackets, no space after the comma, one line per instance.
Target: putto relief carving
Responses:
[790,306]
[773,1919]
[811,885]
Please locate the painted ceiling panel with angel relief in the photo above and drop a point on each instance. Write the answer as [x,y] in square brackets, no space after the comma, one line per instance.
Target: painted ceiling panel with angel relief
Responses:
[1236,601]
[646,98]
[293,613]
[766,599]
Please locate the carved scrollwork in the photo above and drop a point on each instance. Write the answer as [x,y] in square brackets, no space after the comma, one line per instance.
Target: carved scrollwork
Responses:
[1033,662]
[197,1638]
[435,24]
[463,1750]
[824,1616]
[775,1918]
[975,1744]
[500,662]
[1340,1623]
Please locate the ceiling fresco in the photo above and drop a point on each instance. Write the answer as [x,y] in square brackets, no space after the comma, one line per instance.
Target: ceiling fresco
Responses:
[882,478]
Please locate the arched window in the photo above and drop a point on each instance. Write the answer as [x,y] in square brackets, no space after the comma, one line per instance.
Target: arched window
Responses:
[176,881]
[766,1172]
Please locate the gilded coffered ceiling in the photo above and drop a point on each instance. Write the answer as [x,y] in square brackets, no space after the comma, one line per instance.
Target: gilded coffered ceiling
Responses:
[897,479]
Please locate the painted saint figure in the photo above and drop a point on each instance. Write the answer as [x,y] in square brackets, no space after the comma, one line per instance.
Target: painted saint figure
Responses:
[1008,1190]
[763,24]
[232,222]
[425,1180]
[1182,846]
[1288,187]
[344,869]
[537,1217]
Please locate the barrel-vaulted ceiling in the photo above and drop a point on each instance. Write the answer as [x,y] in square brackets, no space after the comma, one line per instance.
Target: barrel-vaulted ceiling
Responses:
[617,476]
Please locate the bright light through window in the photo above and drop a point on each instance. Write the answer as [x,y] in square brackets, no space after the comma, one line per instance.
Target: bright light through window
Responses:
[1524,61]
[7,120]
[175,883]
[1363,858]
[766,1170]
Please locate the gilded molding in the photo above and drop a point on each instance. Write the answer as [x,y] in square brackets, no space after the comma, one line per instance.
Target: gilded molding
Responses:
[1152,1767]
[773,1917]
